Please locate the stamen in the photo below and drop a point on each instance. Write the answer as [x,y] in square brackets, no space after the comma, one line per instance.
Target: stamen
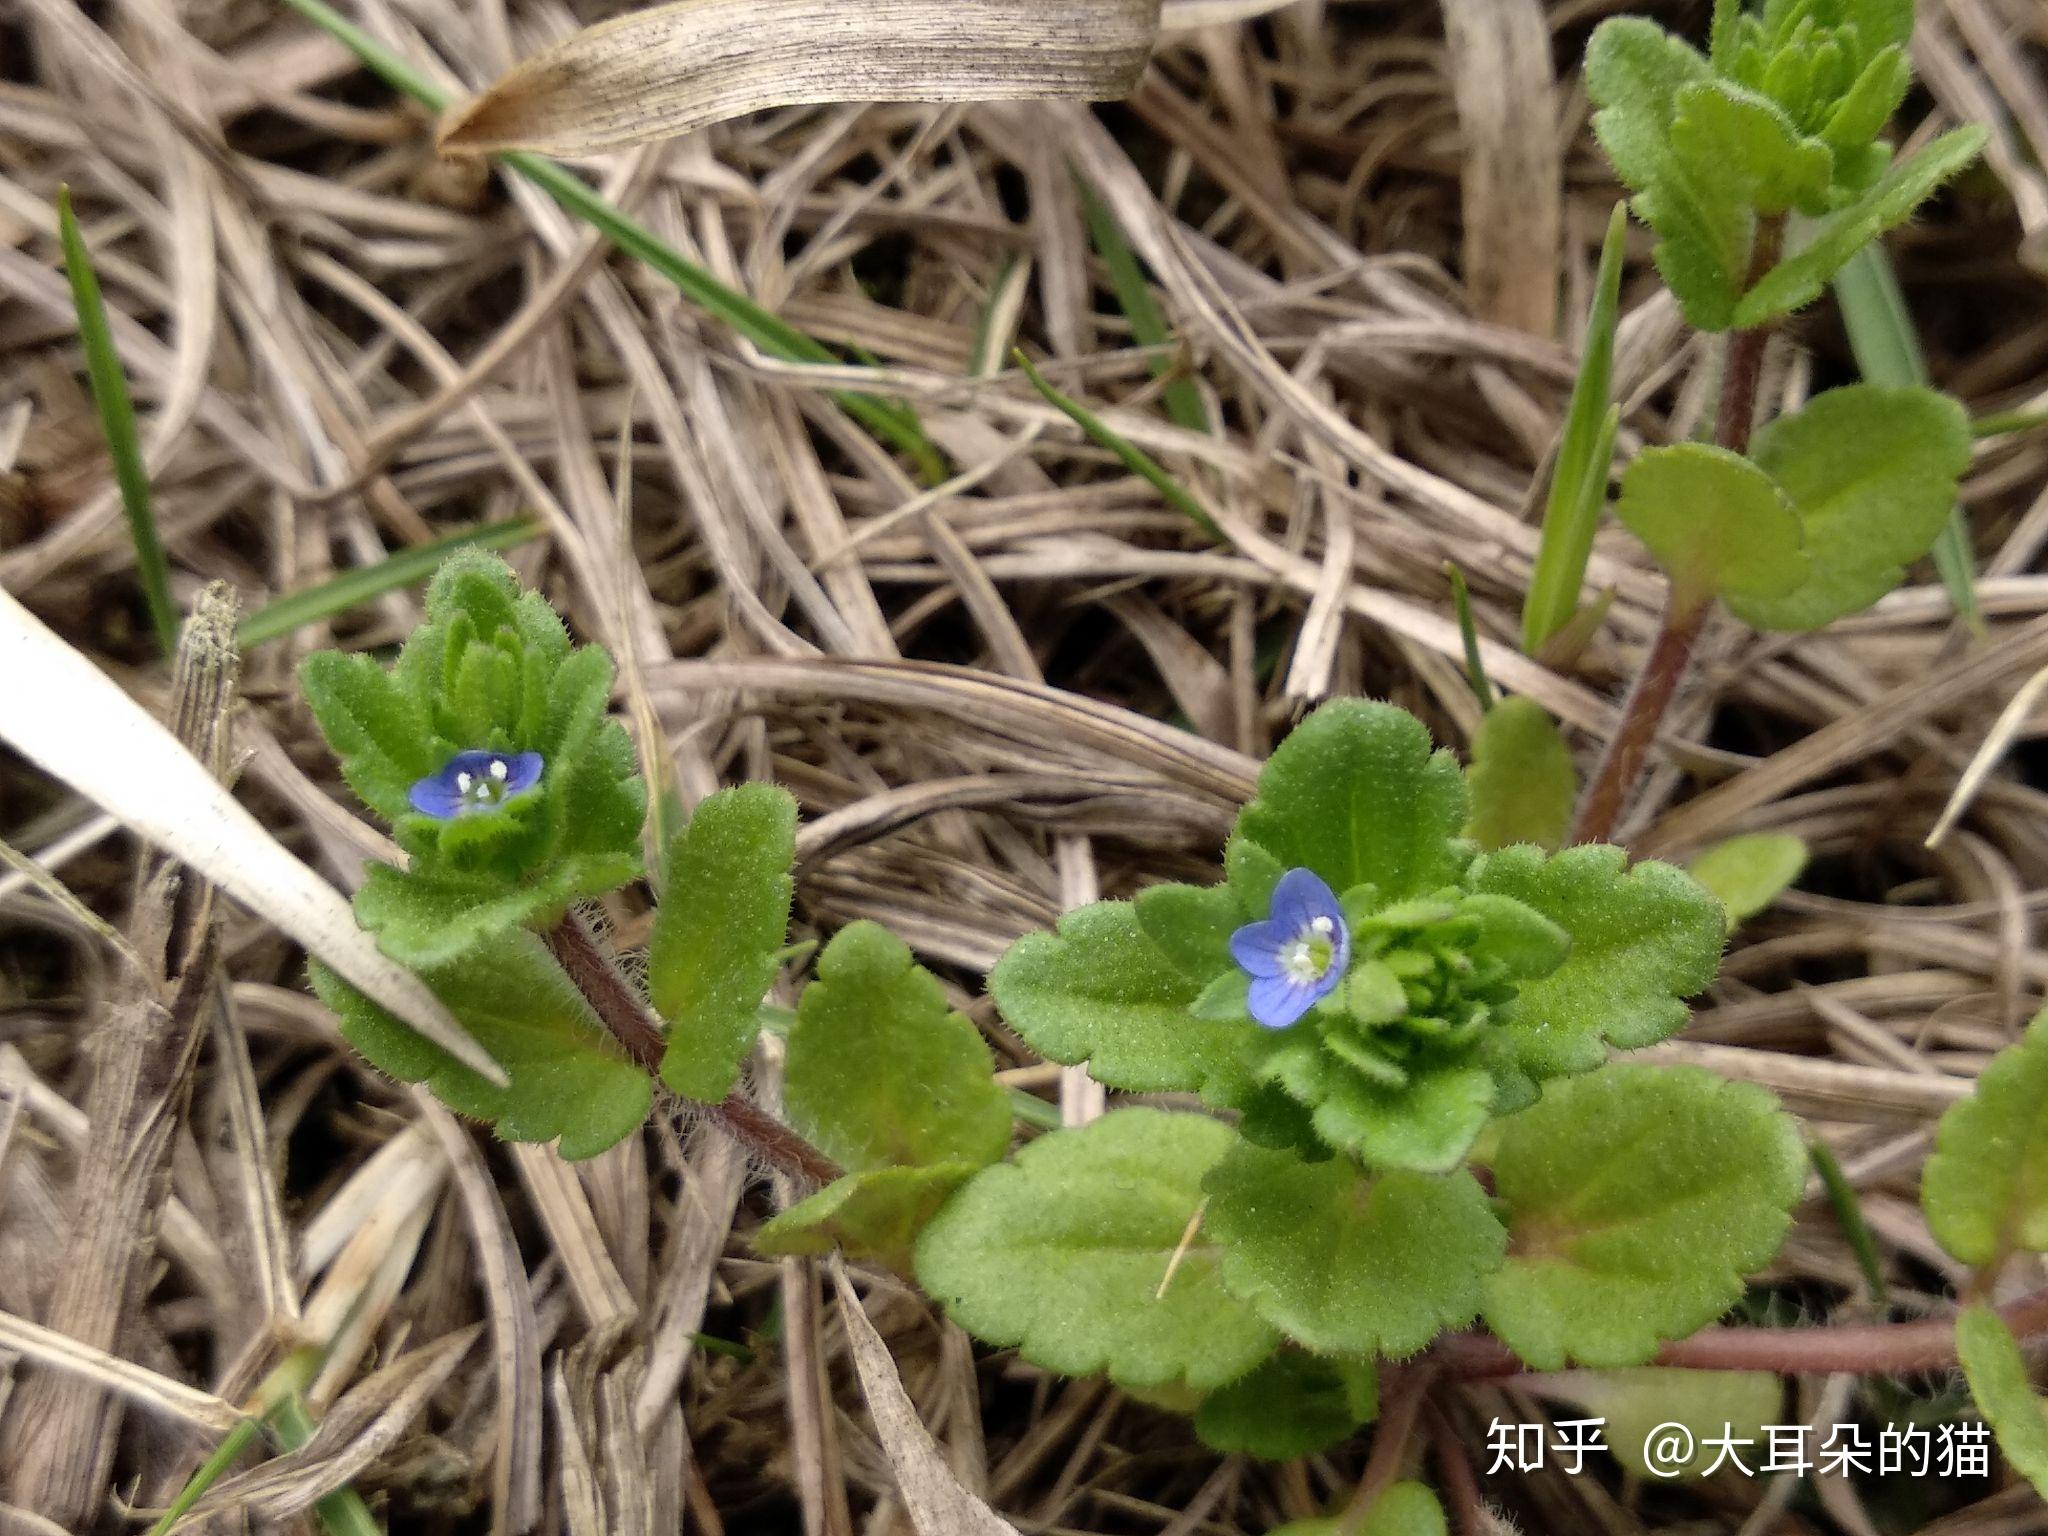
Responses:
[464,782]
[499,771]
[1323,927]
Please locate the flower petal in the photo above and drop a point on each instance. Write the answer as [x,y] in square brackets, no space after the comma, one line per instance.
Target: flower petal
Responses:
[437,796]
[1277,1002]
[522,771]
[1256,947]
[1301,897]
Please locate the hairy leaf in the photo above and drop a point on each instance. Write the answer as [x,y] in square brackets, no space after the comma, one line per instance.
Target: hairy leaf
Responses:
[1522,780]
[1642,940]
[1746,874]
[1999,1381]
[1800,277]
[881,1073]
[872,1215]
[1985,1189]
[1100,991]
[1295,1404]
[381,733]
[1357,794]
[1741,147]
[1191,925]
[723,918]
[1343,1262]
[1637,1199]
[1714,521]
[1871,473]
[1080,1253]
[567,1079]
[423,922]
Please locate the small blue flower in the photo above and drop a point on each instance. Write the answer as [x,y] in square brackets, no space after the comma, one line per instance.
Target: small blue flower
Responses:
[1297,956]
[475,781]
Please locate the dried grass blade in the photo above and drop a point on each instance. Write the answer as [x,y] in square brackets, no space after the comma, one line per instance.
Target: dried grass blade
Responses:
[938,1503]
[2004,731]
[656,73]
[71,719]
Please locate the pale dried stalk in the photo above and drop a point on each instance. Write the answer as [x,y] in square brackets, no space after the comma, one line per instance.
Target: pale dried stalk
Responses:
[657,73]
[73,721]
[60,1433]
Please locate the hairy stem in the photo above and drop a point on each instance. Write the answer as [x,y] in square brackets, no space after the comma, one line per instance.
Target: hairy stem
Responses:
[1860,1348]
[1670,658]
[632,1023]
[1401,1402]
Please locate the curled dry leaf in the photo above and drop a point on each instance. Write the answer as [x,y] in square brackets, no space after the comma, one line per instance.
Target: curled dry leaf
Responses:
[71,719]
[656,73]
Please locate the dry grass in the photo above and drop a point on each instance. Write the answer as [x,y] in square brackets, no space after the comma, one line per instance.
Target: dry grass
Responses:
[994,702]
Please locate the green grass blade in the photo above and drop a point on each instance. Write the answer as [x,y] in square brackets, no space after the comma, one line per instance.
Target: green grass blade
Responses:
[1888,351]
[1578,477]
[341,1513]
[1134,296]
[117,420]
[1475,664]
[292,1375]
[894,423]
[1849,1214]
[1134,458]
[350,589]
[2003,422]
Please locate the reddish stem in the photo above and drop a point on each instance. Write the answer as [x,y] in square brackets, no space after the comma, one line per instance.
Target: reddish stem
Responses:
[1670,658]
[1621,765]
[1402,1396]
[634,1025]
[1454,1474]
[1859,1348]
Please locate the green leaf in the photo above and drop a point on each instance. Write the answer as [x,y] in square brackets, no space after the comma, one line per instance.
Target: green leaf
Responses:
[1887,350]
[1637,1199]
[1585,453]
[881,1073]
[1880,24]
[718,933]
[1637,1401]
[1295,1404]
[1799,278]
[1356,794]
[1744,149]
[1714,521]
[1345,1263]
[380,732]
[1985,1188]
[1635,72]
[1642,940]
[568,1079]
[1871,473]
[1746,874]
[1405,1509]
[1998,1378]
[1066,1252]
[423,922]
[1191,925]
[875,1215]
[1522,780]
[1868,105]
[1100,991]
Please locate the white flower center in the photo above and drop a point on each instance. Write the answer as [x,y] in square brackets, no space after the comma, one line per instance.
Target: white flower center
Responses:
[1307,959]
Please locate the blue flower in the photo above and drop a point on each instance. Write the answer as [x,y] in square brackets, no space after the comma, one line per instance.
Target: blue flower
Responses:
[475,781]
[1297,956]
